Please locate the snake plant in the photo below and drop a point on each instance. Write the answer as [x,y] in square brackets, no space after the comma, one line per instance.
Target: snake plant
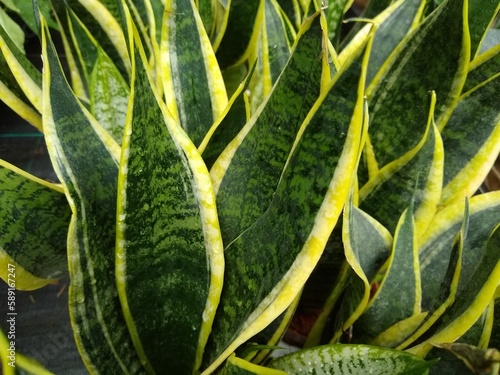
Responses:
[219,161]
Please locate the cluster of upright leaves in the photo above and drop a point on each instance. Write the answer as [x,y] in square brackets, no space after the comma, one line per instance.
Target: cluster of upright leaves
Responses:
[206,151]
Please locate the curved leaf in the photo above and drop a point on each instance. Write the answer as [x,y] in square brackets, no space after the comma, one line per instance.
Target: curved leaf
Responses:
[471,141]
[27,76]
[387,306]
[416,175]
[351,360]
[269,263]
[164,185]
[470,302]
[85,160]
[192,82]
[34,217]
[367,245]
[247,172]
[437,243]
[396,116]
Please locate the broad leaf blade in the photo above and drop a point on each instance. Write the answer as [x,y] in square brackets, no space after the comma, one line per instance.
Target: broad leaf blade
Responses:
[396,103]
[192,82]
[269,263]
[352,360]
[247,172]
[34,217]
[164,185]
[84,158]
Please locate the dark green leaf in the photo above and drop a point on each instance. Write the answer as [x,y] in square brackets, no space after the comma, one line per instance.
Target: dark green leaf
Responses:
[34,217]
[247,173]
[351,360]
[192,82]
[397,115]
[268,264]
[176,250]
[85,160]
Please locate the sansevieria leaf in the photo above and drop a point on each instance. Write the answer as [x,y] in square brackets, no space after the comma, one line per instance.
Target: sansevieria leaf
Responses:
[402,334]
[164,184]
[238,366]
[109,96]
[416,175]
[471,150]
[387,306]
[397,102]
[105,22]
[192,81]
[247,172]
[437,243]
[238,36]
[268,264]
[227,127]
[351,360]
[367,246]
[34,217]
[27,76]
[85,159]
[470,302]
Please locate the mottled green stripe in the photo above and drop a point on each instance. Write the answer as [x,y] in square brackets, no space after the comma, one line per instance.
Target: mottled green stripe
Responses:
[34,222]
[163,241]
[207,14]
[89,174]
[258,260]
[252,177]
[398,105]
[334,17]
